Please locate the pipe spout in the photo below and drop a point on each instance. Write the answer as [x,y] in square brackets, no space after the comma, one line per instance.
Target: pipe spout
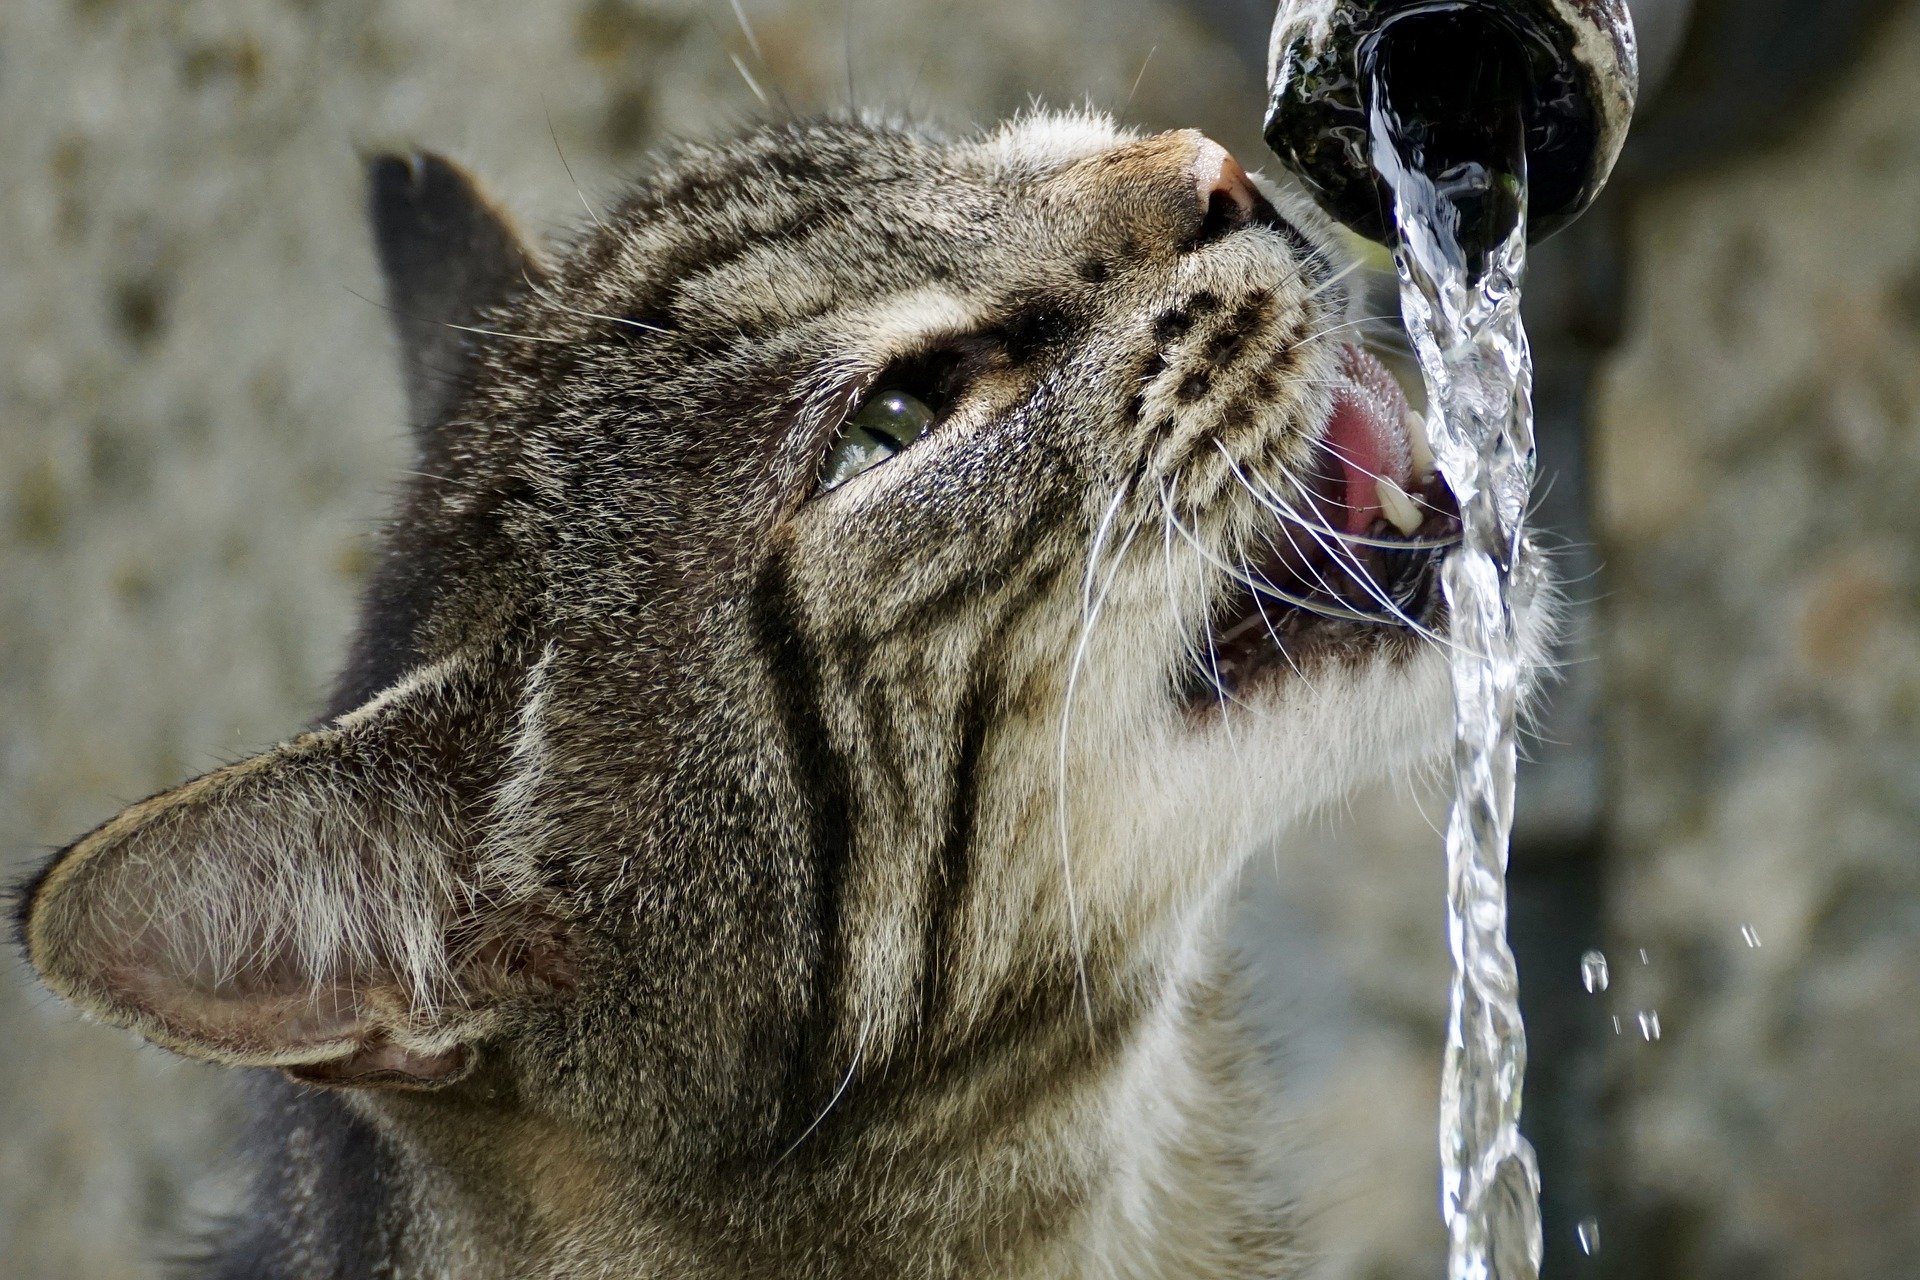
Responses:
[1568,68]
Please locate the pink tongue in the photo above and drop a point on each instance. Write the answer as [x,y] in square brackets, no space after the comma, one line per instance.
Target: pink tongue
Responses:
[1354,440]
[1365,436]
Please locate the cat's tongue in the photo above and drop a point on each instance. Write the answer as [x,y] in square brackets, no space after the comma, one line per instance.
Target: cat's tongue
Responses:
[1370,452]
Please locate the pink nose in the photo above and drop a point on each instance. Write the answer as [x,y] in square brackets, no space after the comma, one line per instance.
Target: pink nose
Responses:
[1226,193]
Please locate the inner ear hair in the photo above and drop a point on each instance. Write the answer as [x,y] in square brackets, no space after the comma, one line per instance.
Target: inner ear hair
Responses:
[447,252]
[382,1064]
[314,908]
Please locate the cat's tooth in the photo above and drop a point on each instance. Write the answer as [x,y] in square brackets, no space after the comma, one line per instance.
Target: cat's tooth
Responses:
[1401,511]
[1422,447]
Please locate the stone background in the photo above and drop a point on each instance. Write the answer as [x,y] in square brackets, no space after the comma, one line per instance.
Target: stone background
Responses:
[198,417]
[1758,461]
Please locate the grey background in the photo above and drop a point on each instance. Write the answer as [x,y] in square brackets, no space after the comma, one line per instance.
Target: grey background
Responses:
[198,423]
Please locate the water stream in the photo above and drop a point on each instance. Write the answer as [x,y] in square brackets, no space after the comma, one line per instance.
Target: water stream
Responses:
[1460,215]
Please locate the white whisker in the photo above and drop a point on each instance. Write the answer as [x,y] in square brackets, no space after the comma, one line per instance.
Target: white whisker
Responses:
[1336,278]
[752,84]
[561,152]
[1268,589]
[746,29]
[859,1050]
[1090,610]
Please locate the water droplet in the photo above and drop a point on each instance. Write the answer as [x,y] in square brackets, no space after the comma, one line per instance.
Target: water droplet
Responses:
[1587,1233]
[1649,1020]
[1593,972]
[1749,935]
[1643,956]
[1616,1024]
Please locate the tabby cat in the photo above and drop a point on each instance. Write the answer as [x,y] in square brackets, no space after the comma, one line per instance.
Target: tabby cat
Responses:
[857,605]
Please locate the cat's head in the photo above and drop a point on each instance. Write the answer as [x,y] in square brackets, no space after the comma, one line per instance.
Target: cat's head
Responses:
[864,584]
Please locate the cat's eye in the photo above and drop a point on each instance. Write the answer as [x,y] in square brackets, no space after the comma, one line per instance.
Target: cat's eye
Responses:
[884,424]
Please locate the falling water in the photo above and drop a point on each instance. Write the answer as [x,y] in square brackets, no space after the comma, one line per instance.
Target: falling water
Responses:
[1460,250]
[1593,972]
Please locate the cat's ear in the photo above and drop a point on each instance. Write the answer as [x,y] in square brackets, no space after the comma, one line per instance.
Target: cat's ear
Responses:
[447,252]
[318,908]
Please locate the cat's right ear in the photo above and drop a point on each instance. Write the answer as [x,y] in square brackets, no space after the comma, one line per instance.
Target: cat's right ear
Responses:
[448,252]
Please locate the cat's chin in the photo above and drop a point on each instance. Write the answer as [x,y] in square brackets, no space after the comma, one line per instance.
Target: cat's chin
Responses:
[1336,705]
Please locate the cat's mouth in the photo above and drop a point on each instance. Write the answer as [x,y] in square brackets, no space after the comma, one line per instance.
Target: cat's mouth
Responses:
[1351,560]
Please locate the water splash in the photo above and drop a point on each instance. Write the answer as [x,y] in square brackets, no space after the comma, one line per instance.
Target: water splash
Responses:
[1461,249]
[1594,975]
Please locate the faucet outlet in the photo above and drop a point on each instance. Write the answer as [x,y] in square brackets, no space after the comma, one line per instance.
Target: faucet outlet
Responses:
[1451,70]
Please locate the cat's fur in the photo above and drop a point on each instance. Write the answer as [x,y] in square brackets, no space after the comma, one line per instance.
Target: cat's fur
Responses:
[702,876]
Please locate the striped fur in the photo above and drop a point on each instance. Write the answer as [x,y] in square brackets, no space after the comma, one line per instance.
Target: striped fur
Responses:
[816,884]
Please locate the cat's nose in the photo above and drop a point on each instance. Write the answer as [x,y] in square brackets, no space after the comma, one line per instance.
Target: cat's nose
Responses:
[1225,198]
[1180,189]
[1224,190]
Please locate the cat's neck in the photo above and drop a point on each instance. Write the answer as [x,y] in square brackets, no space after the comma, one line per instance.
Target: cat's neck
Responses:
[1193,1152]
[1156,1162]
[1152,1163]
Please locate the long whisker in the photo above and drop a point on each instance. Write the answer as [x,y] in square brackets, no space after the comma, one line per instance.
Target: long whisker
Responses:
[1211,666]
[752,84]
[496,333]
[465,328]
[746,29]
[1279,645]
[1280,507]
[1358,571]
[1190,651]
[1260,607]
[1266,588]
[1336,278]
[759,56]
[1138,77]
[1338,325]
[1341,456]
[600,315]
[859,1051]
[1091,607]
[554,300]
[561,152]
[1342,557]
[1273,501]
[1353,567]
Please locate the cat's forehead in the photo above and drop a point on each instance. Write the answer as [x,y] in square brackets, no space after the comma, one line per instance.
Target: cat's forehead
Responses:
[804,253]
[1044,141]
[889,193]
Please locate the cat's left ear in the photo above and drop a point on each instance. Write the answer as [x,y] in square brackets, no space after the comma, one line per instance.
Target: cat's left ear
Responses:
[323,907]
[448,252]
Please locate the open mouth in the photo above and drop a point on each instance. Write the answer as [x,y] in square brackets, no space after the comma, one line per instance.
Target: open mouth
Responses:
[1355,563]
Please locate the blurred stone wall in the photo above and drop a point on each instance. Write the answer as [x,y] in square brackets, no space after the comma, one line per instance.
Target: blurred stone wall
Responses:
[198,422]
[1758,477]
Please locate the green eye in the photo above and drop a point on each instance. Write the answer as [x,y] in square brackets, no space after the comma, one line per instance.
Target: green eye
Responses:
[881,427]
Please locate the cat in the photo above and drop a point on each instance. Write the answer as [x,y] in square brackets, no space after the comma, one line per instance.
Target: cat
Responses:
[858,603]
